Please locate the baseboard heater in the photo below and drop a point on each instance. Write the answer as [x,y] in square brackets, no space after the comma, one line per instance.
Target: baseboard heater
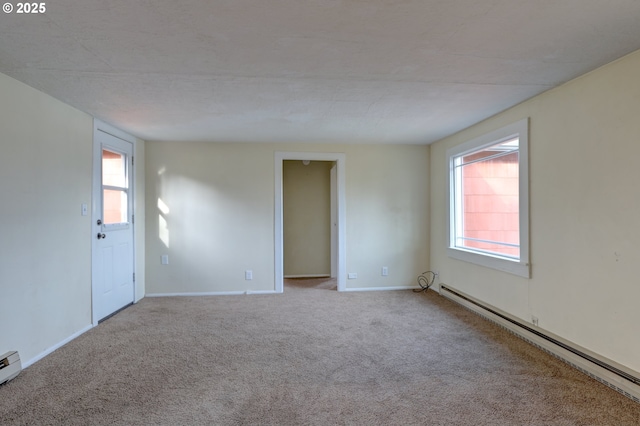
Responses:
[607,372]
[10,366]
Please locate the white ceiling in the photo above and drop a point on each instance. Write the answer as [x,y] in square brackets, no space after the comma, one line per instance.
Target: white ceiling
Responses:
[368,71]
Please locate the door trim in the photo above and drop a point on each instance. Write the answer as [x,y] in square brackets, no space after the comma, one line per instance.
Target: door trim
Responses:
[100,126]
[333,194]
[340,159]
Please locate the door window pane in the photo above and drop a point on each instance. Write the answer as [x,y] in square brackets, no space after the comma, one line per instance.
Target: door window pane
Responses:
[114,172]
[115,206]
[114,187]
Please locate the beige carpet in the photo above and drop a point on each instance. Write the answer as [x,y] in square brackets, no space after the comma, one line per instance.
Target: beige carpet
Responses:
[311,356]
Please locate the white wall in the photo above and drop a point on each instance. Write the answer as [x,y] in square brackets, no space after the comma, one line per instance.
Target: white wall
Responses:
[306,217]
[584,204]
[45,242]
[218,219]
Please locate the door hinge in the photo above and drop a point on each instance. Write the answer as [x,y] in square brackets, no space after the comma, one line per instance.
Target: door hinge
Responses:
[132,160]
[133,218]
[134,277]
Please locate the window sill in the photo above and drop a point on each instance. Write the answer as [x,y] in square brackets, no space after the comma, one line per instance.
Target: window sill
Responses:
[514,267]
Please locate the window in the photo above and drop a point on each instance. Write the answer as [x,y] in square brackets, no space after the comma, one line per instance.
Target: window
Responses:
[115,187]
[489,200]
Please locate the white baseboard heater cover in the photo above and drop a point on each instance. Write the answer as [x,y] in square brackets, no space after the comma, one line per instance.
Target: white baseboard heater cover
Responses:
[10,366]
[605,371]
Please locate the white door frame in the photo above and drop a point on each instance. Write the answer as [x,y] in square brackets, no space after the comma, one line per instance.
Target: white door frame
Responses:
[333,190]
[341,255]
[96,213]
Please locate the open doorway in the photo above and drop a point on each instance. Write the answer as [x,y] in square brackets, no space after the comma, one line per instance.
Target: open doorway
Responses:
[335,164]
[309,218]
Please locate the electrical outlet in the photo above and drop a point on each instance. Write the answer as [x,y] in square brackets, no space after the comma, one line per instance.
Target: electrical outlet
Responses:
[352,275]
[534,320]
[385,271]
[248,274]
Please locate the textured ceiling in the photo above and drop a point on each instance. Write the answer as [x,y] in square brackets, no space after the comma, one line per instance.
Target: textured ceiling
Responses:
[375,71]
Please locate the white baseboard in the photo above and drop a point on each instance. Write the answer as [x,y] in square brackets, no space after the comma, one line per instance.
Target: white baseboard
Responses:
[56,346]
[212,293]
[564,350]
[262,292]
[309,276]
[380,288]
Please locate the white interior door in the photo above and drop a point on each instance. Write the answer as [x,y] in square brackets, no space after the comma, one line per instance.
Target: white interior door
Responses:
[113,255]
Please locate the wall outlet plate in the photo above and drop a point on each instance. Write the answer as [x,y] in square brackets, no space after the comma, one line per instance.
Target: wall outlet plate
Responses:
[385,271]
[352,275]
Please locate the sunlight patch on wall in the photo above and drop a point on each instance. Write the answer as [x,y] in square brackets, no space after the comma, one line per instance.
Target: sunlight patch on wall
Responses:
[163,230]
[163,207]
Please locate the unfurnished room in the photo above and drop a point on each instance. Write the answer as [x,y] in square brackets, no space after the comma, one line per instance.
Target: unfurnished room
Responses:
[319,212]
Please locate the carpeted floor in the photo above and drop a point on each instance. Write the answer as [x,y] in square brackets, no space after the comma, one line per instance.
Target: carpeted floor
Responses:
[310,356]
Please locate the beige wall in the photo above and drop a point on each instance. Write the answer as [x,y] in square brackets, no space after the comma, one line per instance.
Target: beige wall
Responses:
[140,225]
[584,211]
[306,218]
[218,218]
[45,242]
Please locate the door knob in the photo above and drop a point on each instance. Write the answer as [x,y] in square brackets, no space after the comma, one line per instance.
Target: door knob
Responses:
[101,236]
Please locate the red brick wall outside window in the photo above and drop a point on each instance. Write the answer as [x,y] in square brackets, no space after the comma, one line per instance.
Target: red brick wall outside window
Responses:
[114,199]
[491,203]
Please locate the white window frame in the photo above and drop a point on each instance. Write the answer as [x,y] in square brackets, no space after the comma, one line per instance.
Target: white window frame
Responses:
[521,266]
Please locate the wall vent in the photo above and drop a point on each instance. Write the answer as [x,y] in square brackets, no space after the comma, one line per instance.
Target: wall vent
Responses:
[607,372]
[10,366]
